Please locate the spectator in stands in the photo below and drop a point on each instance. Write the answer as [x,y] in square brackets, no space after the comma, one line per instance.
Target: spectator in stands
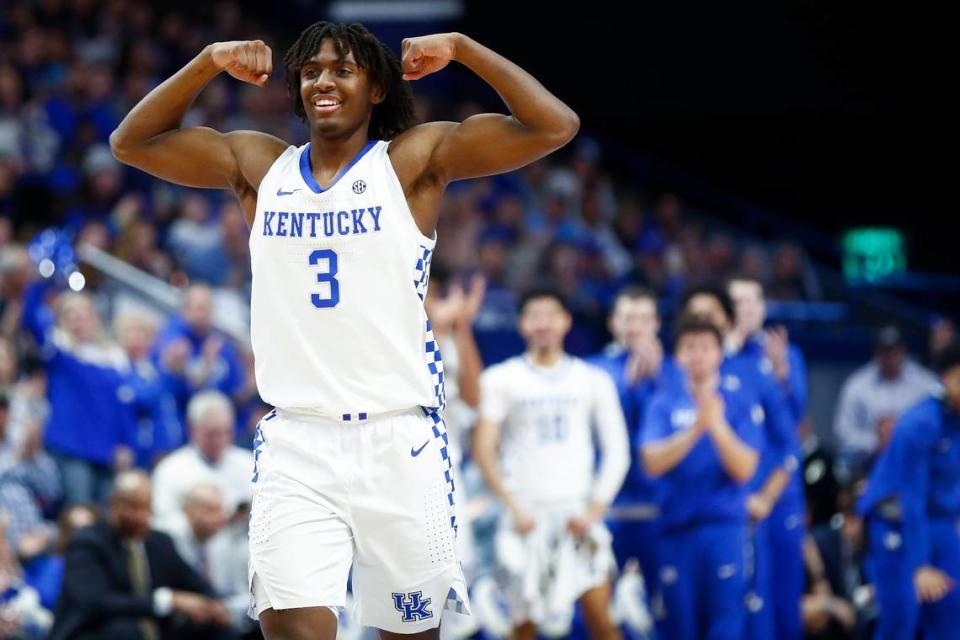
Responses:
[90,431]
[210,457]
[827,612]
[874,397]
[203,518]
[216,549]
[29,485]
[123,580]
[792,277]
[22,617]
[196,241]
[943,332]
[194,355]
[157,420]
[45,573]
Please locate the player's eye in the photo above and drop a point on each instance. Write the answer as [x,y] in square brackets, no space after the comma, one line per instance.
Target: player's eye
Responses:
[344,71]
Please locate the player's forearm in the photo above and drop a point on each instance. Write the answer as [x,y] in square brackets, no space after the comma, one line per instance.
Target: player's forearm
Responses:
[470,366]
[738,460]
[163,108]
[661,457]
[529,101]
[485,455]
[774,486]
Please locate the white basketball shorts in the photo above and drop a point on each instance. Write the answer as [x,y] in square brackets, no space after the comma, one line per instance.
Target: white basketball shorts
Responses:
[375,494]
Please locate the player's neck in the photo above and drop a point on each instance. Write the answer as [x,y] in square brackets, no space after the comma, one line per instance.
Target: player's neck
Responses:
[329,155]
[545,357]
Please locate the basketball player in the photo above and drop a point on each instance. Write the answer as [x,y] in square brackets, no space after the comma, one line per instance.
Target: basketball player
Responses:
[545,409]
[352,466]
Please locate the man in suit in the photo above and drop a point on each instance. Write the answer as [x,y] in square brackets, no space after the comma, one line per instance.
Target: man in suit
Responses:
[123,581]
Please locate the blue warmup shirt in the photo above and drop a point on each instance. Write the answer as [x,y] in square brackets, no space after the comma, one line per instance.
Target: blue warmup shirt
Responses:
[637,487]
[699,489]
[783,407]
[920,468]
[90,410]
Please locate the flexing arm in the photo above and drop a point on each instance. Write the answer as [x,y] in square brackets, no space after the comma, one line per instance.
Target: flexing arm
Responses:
[435,154]
[150,137]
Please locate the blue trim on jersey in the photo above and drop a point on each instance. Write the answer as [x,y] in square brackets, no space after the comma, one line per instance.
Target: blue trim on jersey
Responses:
[306,170]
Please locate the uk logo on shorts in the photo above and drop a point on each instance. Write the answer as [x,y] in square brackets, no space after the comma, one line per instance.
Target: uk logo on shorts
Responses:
[412,606]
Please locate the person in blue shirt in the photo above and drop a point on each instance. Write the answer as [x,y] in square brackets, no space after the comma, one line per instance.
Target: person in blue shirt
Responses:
[779,453]
[193,357]
[771,354]
[636,363]
[701,438]
[912,506]
[91,430]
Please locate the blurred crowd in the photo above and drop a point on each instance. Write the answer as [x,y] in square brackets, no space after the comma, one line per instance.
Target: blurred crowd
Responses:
[118,416]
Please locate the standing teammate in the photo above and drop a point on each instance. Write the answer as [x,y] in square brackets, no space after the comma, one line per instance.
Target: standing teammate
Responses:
[636,363]
[912,504]
[779,489]
[702,438]
[545,409]
[352,468]
[779,450]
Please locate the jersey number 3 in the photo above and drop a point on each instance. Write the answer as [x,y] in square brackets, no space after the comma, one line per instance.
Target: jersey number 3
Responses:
[329,276]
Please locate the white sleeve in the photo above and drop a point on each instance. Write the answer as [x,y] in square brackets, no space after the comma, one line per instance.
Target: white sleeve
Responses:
[846,425]
[164,502]
[612,437]
[494,397]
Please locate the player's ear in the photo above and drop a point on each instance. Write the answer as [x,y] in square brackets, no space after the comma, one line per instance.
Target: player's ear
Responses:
[377,94]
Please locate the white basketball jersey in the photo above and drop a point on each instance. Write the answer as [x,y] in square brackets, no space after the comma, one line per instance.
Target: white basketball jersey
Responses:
[339,276]
[550,418]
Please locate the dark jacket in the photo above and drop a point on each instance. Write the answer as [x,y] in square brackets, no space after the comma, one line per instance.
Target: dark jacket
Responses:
[98,598]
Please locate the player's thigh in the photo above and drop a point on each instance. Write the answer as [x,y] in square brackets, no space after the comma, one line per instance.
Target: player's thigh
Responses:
[405,570]
[301,545]
[429,634]
[305,623]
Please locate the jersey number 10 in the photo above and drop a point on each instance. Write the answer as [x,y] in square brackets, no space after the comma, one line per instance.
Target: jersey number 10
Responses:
[328,276]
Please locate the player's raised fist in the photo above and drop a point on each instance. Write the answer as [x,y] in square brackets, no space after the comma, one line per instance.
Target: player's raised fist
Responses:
[427,54]
[247,60]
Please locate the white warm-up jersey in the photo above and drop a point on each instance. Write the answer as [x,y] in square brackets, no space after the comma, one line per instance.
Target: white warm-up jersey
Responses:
[549,418]
[339,276]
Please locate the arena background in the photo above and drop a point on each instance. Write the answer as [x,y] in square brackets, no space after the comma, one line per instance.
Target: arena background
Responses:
[778,127]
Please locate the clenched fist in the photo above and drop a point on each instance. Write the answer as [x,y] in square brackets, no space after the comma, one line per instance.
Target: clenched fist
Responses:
[427,54]
[247,60]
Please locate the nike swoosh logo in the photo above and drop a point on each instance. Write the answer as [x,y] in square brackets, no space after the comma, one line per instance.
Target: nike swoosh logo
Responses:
[281,192]
[416,452]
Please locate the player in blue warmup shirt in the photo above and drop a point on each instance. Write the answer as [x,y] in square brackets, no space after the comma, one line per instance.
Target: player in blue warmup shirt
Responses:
[702,439]
[771,354]
[912,505]
[779,447]
[636,362]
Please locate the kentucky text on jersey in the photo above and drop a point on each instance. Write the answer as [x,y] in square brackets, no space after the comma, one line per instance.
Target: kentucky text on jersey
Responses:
[297,224]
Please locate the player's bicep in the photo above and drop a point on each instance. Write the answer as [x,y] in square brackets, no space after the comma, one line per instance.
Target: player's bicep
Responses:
[193,157]
[488,144]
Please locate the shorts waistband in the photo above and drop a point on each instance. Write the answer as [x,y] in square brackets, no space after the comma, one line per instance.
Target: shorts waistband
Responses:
[355,417]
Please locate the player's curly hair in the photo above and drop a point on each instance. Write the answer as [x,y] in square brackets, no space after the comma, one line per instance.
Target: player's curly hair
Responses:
[392,116]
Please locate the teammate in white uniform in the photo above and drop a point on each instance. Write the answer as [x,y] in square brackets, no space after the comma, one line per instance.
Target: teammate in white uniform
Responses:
[546,409]
[352,467]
